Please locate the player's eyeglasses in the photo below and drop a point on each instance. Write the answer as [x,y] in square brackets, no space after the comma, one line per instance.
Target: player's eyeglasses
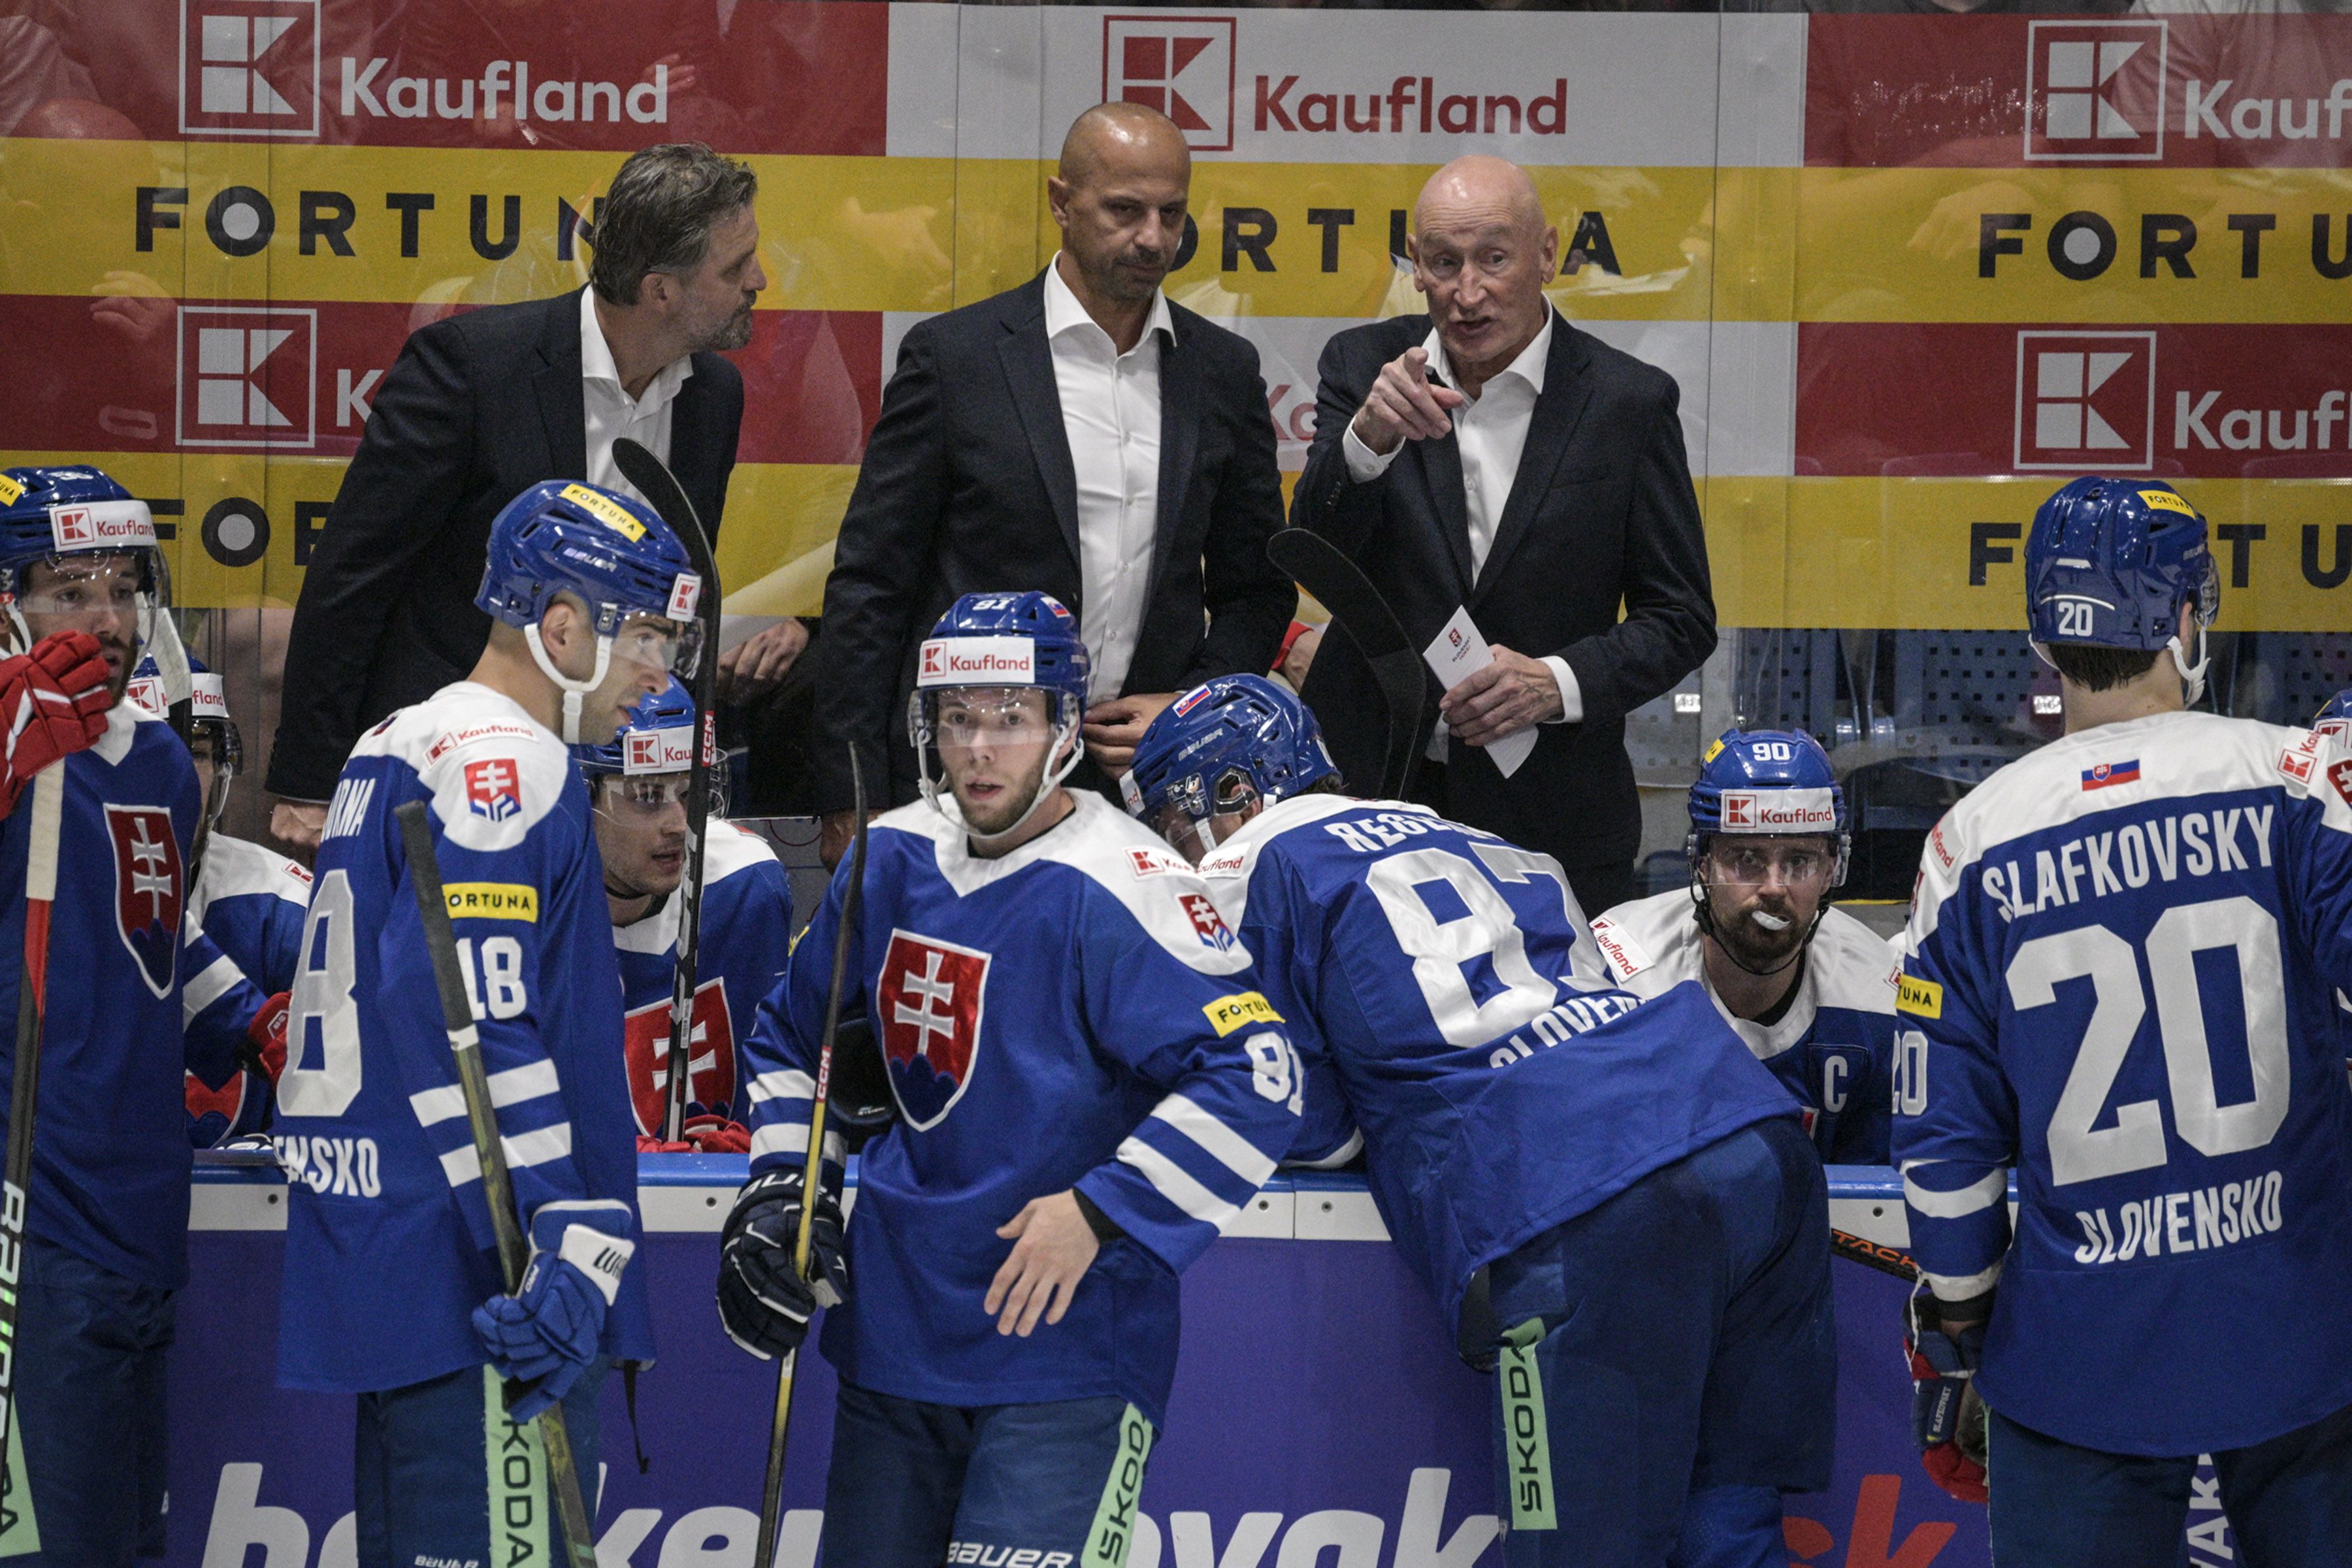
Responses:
[1751,865]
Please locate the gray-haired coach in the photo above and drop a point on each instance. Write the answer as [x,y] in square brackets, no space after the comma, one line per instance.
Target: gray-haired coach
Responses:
[484,404]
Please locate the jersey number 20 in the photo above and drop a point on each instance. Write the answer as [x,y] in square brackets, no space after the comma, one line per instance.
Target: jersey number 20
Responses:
[2119,1004]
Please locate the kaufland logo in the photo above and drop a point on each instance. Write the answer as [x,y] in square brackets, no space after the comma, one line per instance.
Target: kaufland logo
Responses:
[1181,66]
[2094,92]
[977,661]
[248,376]
[2085,401]
[1778,811]
[249,67]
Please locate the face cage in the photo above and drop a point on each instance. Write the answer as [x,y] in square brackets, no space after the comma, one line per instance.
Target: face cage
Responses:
[1199,803]
[155,592]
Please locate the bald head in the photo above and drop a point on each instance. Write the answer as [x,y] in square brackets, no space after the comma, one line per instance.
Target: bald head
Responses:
[1483,253]
[1119,138]
[1119,199]
[1480,190]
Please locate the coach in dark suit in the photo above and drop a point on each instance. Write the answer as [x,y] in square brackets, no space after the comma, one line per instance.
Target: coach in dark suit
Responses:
[1489,455]
[483,405]
[1078,435]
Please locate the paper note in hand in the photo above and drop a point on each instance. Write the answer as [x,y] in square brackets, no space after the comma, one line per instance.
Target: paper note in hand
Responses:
[1458,651]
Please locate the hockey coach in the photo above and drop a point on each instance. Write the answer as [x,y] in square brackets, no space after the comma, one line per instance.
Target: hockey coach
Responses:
[482,405]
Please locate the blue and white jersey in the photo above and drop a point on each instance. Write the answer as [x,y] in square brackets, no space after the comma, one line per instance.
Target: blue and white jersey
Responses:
[1833,1045]
[388,1243]
[110,1156]
[1073,1014]
[2124,953]
[249,902]
[1430,969]
[747,930]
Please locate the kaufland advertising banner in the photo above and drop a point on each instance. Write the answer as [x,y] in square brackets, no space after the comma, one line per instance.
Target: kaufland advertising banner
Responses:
[1908,270]
[1320,1420]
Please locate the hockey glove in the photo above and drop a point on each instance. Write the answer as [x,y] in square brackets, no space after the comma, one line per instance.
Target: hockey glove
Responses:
[53,703]
[762,1299]
[716,1135]
[267,1035]
[654,1143]
[1947,1419]
[549,1329]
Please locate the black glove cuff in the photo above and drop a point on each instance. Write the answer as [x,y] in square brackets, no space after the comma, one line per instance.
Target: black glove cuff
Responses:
[1106,1229]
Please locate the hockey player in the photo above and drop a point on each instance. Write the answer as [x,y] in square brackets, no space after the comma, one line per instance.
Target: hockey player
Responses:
[1809,988]
[1087,1089]
[247,900]
[1634,1221]
[2122,952]
[638,787]
[82,584]
[391,1285]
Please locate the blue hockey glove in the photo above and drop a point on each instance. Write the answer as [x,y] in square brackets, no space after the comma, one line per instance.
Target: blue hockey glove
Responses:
[762,1299]
[1947,1419]
[549,1329]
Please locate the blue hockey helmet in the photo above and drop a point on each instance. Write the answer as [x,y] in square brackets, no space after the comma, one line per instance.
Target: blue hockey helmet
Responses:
[1218,746]
[612,554]
[1003,641]
[2334,719]
[208,720]
[1767,782]
[656,739]
[48,514]
[2109,562]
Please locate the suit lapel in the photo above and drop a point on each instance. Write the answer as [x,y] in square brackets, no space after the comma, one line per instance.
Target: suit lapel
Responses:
[1558,410]
[1029,372]
[1180,438]
[563,409]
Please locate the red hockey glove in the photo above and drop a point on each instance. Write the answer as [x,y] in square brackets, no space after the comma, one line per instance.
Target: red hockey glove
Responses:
[716,1135]
[53,703]
[1947,1419]
[654,1143]
[267,1032]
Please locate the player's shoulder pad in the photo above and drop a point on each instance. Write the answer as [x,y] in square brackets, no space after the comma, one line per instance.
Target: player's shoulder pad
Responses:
[729,849]
[1853,966]
[493,771]
[1654,940]
[1123,861]
[1229,868]
[239,868]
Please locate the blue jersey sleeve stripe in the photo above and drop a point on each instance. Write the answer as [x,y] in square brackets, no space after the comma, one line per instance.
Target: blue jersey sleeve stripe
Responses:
[1961,1286]
[217,979]
[782,1138]
[786,1083]
[1227,1147]
[509,1086]
[523,1150]
[1173,1182]
[1954,1203]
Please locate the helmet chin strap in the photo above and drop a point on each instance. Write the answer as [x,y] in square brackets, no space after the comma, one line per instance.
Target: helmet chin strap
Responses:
[1067,734]
[2192,678]
[574,690]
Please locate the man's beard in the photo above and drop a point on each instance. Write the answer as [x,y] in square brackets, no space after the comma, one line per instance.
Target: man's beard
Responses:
[734,332]
[1016,802]
[1753,947]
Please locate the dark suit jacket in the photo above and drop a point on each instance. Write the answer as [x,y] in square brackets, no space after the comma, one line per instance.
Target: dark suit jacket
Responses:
[967,487]
[477,408]
[1602,515]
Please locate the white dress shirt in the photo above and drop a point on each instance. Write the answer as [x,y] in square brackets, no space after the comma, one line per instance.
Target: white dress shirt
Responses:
[1491,431]
[1110,415]
[611,411]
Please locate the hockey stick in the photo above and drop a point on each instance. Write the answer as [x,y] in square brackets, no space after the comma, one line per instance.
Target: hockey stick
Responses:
[23,1089]
[1316,564]
[498,1191]
[771,1491]
[1891,1260]
[658,486]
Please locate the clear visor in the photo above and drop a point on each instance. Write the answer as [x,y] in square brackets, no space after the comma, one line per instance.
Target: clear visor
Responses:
[653,642]
[1796,862]
[651,794]
[95,592]
[967,718]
